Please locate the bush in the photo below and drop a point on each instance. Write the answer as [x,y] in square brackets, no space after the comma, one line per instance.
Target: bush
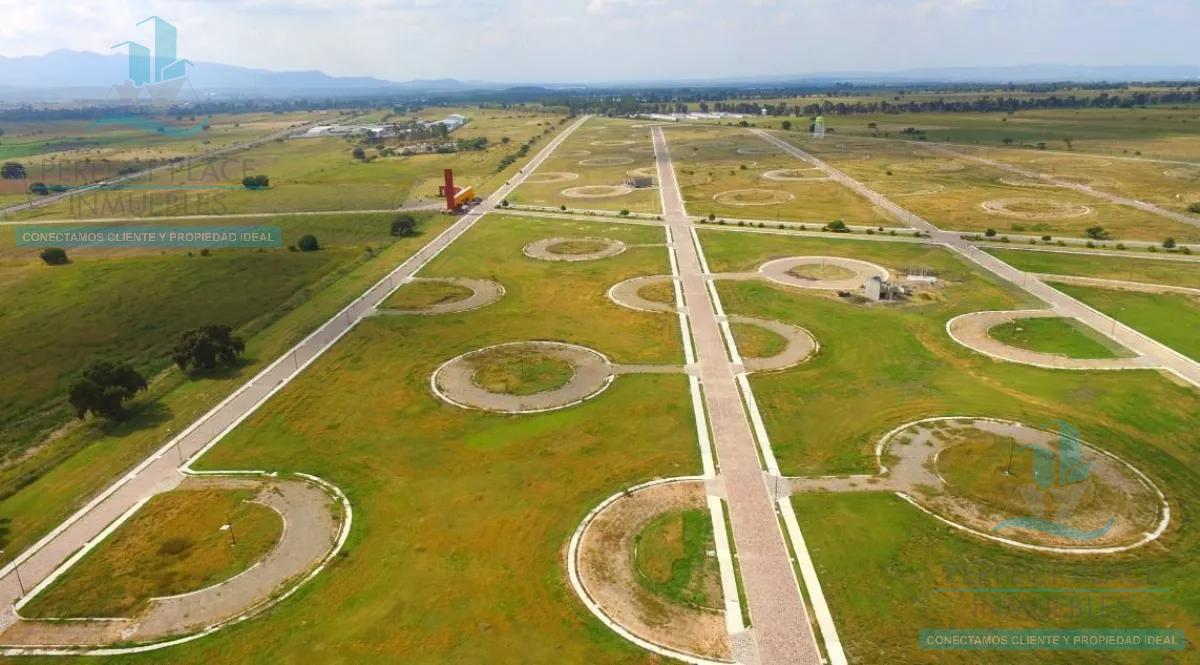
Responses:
[624,212]
[39,188]
[54,256]
[1185,250]
[1120,245]
[1152,249]
[404,225]
[308,243]
[991,233]
[256,182]
[1097,233]
[1169,243]
[837,226]
[504,203]
[1046,238]
[563,208]
[1195,207]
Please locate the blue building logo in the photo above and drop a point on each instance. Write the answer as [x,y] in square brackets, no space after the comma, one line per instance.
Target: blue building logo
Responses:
[161,73]
[1059,476]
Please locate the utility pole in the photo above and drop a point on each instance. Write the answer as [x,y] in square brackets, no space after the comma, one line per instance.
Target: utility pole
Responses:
[229,523]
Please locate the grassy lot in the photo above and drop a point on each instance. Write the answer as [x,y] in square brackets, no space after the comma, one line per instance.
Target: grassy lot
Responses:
[602,152]
[951,193]
[663,292]
[1126,268]
[672,559]
[315,174]
[719,168]
[901,360]
[1170,318]
[520,371]
[756,342]
[1053,335]
[462,517]
[175,544]
[42,487]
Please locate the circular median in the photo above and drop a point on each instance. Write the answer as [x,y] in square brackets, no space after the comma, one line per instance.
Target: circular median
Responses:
[928,166]
[522,377]
[612,143]
[596,191]
[654,293]
[973,331]
[551,176]
[606,161]
[573,249]
[442,295]
[1036,209]
[821,272]
[753,197]
[767,345]
[796,175]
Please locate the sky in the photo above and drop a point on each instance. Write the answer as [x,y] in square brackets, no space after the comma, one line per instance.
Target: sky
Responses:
[620,40]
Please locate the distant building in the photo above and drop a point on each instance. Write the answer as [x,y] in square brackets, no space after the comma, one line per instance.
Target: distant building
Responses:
[877,288]
[639,181]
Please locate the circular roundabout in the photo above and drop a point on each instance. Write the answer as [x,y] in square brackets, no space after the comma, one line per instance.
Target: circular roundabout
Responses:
[441,295]
[573,249]
[551,176]
[522,377]
[1036,209]
[1024,486]
[795,175]
[606,161]
[596,191]
[753,197]
[821,272]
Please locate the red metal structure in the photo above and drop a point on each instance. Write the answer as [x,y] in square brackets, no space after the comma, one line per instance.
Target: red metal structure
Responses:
[449,190]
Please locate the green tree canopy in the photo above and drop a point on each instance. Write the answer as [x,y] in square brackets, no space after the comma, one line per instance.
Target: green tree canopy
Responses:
[104,388]
[206,347]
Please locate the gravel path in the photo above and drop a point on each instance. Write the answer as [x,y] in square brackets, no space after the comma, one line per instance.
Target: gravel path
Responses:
[971,330]
[483,293]
[777,271]
[541,249]
[800,345]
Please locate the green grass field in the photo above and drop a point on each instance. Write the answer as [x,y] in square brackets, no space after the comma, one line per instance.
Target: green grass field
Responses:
[41,487]
[1124,268]
[175,544]
[420,295]
[462,517]
[519,371]
[1171,318]
[672,559]
[1052,335]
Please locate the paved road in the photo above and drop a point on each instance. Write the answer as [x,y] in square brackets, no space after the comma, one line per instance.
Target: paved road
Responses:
[161,471]
[1157,352]
[782,631]
[199,159]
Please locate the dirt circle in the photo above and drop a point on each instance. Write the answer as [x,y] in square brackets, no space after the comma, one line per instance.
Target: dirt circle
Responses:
[784,271]
[753,197]
[578,153]
[606,161]
[612,143]
[1183,172]
[483,293]
[545,249]
[725,164]
[642,149]
[924,191]
[551,176]
[455,382]
[1036,209]
[596,191]
[631,293]
[645,172]
[1089,180]
[1026,182]
[1024,486]
[603,565]
[790,175]
[928,166]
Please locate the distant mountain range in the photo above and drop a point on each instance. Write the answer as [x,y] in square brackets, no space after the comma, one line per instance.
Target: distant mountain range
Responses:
[72,75]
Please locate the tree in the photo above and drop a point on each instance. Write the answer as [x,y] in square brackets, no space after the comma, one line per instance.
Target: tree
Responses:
[308,243]
[991,233]
[1097,233]
[1007,140]
[39,188]
[404,225]
[1195,207]
[256,182]
[1169,243]
[54,256]
[837,226]
[104,388]
[786,125]
[12,171]
[358,153]
[206,347]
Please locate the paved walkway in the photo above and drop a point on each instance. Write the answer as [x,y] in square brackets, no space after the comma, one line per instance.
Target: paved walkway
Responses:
[1156,352]
[161,471]
[782,631]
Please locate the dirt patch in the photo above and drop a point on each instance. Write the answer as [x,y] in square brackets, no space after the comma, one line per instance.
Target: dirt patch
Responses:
[605,563]
[571,249]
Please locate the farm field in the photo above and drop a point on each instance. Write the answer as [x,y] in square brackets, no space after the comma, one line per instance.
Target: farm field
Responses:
[955,194]
[1171,318]
[731,173]
[461,515]
[315,174]
[292,293]
[1116,267]
[591,170]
